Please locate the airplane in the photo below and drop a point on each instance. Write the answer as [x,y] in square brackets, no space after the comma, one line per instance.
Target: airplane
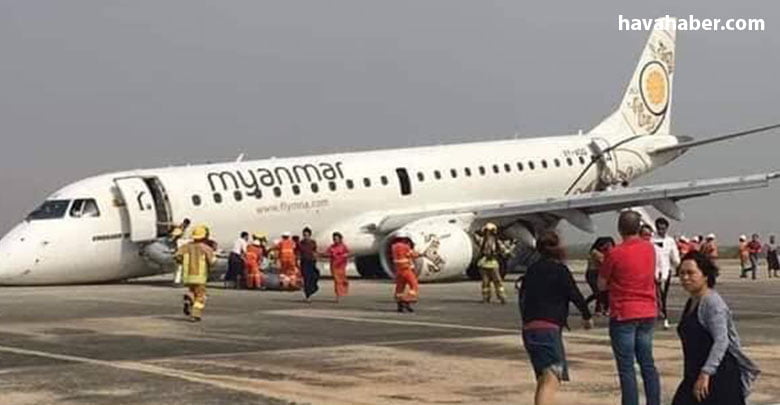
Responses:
[106,227]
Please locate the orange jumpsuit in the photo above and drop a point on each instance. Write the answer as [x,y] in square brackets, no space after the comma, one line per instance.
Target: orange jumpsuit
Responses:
[287,256]
[403,260]
[253,277]
[710,249]
[288,265]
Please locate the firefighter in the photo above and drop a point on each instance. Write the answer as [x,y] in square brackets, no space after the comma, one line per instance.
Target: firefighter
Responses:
[288,266]
[710,247]
[403,254]
[489,264]
[196,259]
[254,255]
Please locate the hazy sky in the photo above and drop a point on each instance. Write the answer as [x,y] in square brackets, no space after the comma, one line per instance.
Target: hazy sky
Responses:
[94,86]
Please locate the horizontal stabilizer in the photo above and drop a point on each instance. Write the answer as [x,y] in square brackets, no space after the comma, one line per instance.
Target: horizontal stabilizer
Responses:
[690,143]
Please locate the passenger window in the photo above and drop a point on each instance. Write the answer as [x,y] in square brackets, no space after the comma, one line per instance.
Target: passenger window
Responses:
[350,184]
[531,165]
[557,162]
[296,189]
[258,194]
[196,200]
[519,167]
[495,169]
[544,164]
[277,191]
[569,161]
[467,171]
[332,185]
[316,187]
[482,170]
[437,174]
[582,160]
[454,173]
[366,182]
[420,176]
[383,179]
[237,195]
[217,198]
[507,167]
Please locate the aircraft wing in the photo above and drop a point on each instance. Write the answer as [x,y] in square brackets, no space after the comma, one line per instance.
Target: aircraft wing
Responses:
[577,208]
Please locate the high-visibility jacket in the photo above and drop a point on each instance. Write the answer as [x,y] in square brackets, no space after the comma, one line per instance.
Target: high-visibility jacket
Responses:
[286,250]
[710,249]
[254,254]
[196,259]
[403,256]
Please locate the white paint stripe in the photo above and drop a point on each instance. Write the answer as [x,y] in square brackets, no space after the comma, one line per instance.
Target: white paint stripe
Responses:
[247,385]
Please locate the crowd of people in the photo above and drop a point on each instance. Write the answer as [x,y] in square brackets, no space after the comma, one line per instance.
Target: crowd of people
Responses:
[289,264]
[630,282]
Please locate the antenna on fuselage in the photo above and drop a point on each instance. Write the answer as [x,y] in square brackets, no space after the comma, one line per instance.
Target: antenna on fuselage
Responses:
[240,158]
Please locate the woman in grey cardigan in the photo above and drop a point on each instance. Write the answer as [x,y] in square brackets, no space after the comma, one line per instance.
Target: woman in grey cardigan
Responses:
[716,369]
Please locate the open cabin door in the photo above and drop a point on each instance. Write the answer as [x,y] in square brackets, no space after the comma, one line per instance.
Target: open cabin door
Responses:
[140,206]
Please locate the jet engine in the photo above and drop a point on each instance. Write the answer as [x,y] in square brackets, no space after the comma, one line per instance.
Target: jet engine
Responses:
[446,250]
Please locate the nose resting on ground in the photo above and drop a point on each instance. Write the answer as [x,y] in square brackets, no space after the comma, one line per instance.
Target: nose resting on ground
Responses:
[15,259]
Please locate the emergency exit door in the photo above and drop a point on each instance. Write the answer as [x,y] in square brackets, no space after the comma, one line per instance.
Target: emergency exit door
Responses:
[403,181]
[140,206]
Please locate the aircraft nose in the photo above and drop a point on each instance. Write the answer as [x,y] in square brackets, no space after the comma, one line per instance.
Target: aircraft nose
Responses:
[12,255]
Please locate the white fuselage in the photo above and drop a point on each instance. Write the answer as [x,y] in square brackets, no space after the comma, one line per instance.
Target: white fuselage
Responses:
[95,249]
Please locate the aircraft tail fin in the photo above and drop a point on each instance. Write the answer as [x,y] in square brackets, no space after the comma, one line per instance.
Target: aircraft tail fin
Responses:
[647,104]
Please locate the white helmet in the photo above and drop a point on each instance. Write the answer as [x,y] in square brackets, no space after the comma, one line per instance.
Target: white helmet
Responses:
[742,237]
[711,236]
[402,235]
[286,234]
[489,226]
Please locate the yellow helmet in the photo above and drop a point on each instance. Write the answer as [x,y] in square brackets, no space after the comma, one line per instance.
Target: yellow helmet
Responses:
[488,227]
[177,231]
[200,232]
[259,235]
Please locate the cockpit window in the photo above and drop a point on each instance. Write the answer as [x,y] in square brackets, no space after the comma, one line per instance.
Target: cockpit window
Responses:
[50,209]
[84,208]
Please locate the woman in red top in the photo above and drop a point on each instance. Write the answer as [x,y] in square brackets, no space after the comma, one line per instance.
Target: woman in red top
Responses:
[338,254]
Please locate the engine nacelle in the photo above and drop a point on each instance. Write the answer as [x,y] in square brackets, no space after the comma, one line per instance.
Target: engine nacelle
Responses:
[446,250]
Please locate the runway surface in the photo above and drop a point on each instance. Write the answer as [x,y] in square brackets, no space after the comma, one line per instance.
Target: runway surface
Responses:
[129,344]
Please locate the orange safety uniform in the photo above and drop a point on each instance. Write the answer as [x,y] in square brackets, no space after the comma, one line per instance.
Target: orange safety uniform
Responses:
[403,260]
[287,257]
[710,249]
[253,276]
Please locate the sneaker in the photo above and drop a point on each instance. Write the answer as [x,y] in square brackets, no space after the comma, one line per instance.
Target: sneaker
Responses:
[194,319]
[667,325]
[400,307]
[409,308]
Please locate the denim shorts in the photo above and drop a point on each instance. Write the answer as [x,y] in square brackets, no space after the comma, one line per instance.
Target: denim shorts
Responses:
[545,349]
